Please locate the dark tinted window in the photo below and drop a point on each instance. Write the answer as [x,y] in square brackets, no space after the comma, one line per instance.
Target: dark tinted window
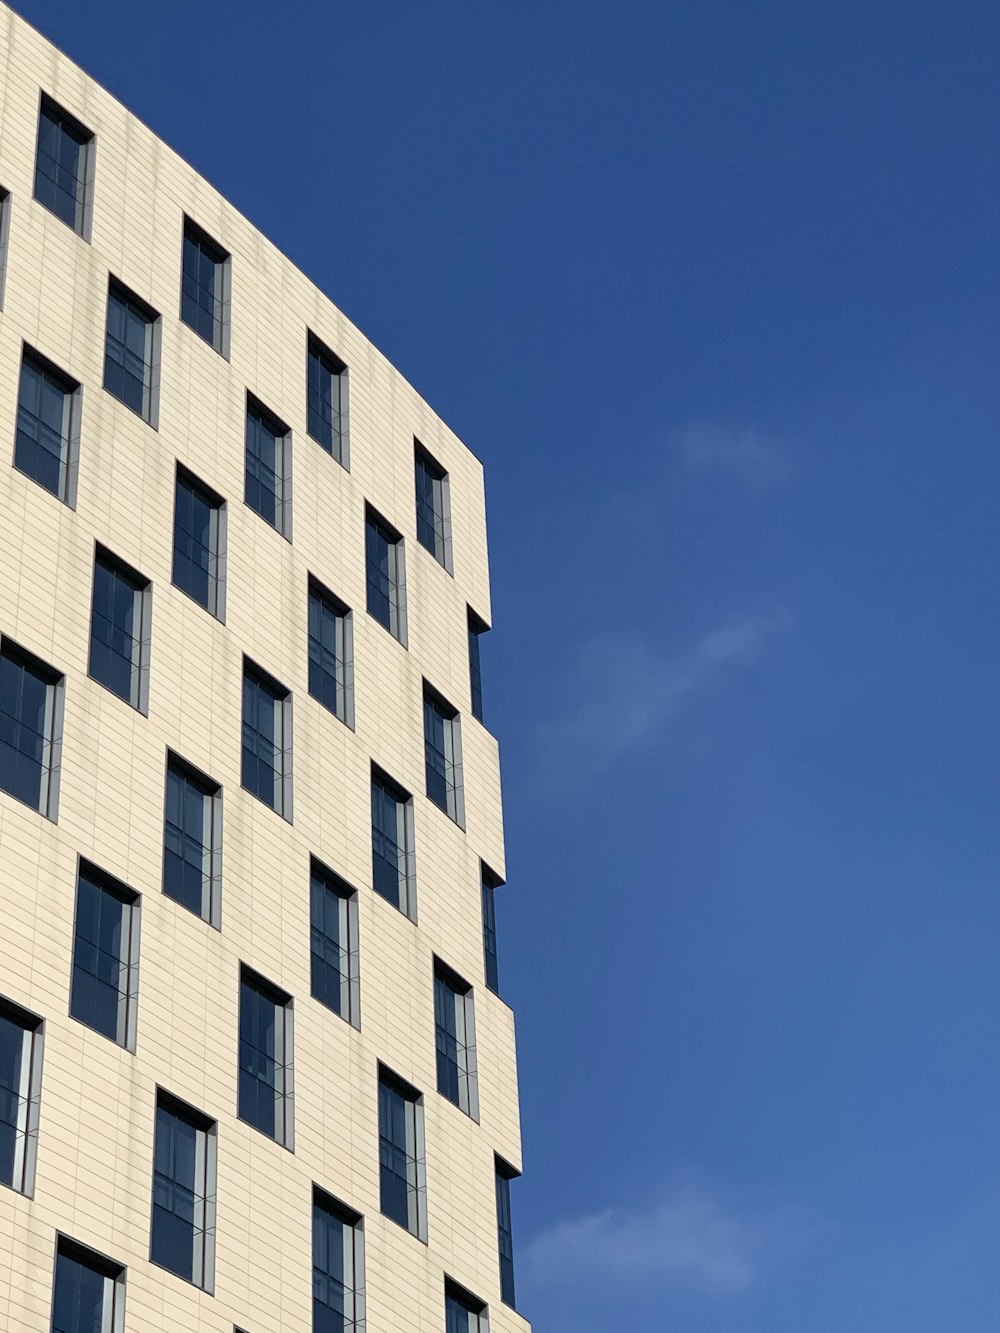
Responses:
[266,466]
[329,632]
[43,445]
[117,631]
[105,962]
[128,351]
[198,557]
[333,942]
[61,165]
[338,1279]
[491,958]
[326,405]
[476,629]
[266,738]
[400,1151]
[203,287]
[191,842]
[383,558]
[20,1068]
[454,1039]
[505,1234]
[391,844]
[433,522]
[88,1294]
[462,1312]
[182,1183]
[27,729]
[442,754]
[265,1059]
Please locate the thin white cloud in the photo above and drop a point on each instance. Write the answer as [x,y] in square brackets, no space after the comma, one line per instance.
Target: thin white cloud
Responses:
[628,690]
[710,449]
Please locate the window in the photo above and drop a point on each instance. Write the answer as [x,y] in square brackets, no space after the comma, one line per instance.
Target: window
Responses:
[183,1230]
[463,1313]
[105,983]
[120,630]
[401,1153]
[433,511]
[267,739]
[333,940]
[132,352]
[205,287]
[4,238]
[64,167]
[20,1094]
[386,579]
[490,883]
[331,652]
[455,1033]
[265,1089]
[89,1292]
[192,841]
[393,862]
[477,628]
[31,708]
[268,468]
[46,446]
[504,1175]
[327,400]
[443,755]
[200,543]
[338,1267]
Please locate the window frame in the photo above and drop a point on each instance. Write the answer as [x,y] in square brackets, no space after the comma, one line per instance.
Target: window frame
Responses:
[477,627]
[211,793]
[504,1174]
[205,1179]
[330,603]
[185,479]
[128,961]
[142,614]
[336,368]
[223,261]
[406,870]
[69,458]
[440,547]
[284,1084]
[114,1274]
[29,1096]
[323,880]
[267,420]
[118,291]
[396,577]
[490,881]
[55,699]
[281,697]
[86,141]
[450,756]
[350,1220]
[414,1151]
[461,997]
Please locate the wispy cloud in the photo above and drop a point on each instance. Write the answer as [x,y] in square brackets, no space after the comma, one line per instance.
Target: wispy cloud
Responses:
[628,689]
[710,449]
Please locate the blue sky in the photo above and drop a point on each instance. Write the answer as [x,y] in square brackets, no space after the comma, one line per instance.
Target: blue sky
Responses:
[713,290]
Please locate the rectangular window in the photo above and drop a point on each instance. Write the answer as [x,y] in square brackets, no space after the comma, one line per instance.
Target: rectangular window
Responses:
[120,630]
[433,508]
[401,1153]
[105,983]
[331,652]
[4,239]
[267,739]
[192,841]
[477,628]
[46,445]
[269,468]
[89,1291]
[333,940]
[132,352]
[443,755]
[31,708]
[265,1088]
[338,1267]
[385,575]
[64,166]
[199,567]
[326,407]
[183,1228]
[20,1095]
[393,862]
[505,1236]
[205,287]
[490,883]
[463,1313]
[455,1032]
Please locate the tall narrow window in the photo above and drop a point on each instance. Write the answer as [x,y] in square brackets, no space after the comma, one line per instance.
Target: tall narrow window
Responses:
[433,508]
[443,755]
[268,468]
[120,630]
[334,942]
[385,575]
[192,841]
[205,287]
[105,956]
[393,863]
[401,1153]
[31,707]
[265,1088]
[463,1313]
[505,1235]
[490,884]
[89,1291]
[4,239]
[267,739]
[20,1094]
[131,352]
[327,400]
[338,1267]
[64,166]
[183,1229]
[455,1031]
[46,446]
[477,628]
[200,543]
[331,652]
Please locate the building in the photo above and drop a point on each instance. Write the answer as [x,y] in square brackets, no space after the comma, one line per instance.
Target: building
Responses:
[255,1073]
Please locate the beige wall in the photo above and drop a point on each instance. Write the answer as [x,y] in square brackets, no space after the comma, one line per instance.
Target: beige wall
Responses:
[95,1144]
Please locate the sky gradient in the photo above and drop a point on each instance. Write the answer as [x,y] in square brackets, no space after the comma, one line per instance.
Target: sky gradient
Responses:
[713,291]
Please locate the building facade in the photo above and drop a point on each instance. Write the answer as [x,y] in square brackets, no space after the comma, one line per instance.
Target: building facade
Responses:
[255,1071]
